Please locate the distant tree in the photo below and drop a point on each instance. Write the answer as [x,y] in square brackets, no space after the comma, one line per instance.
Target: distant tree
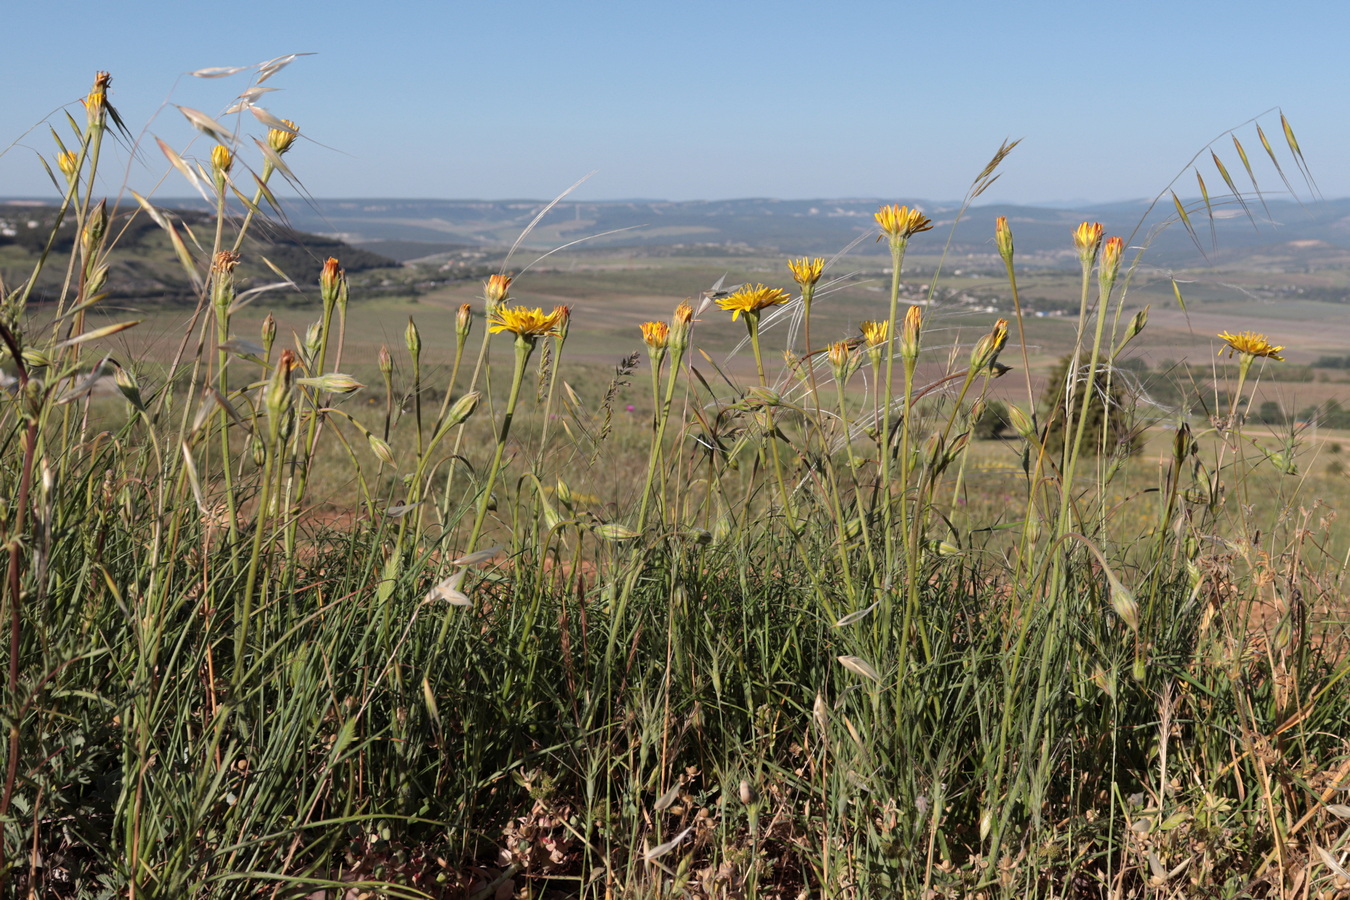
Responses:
[1120,436]
[992,420]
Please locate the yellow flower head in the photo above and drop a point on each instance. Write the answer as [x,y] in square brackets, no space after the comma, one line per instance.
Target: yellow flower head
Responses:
[68,163]
[1251,344]
[97,99]
[528,323]
[900,222]
[1087,238]
[656,334]
[750,300]
[221,158]
[875,333]
[839,353]
[806,272]
[280,139]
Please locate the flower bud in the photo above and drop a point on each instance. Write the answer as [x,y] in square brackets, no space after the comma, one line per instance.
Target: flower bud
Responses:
[222,160]
[269,335]
[909,334]
[69,164]
[562,318]
[413,339]
[1137,324]
[280,139]
[463,321]
[497,291]
[1087,239]
[331,281]
[680,326]
[987,350]
[1112,251]
[96,102]
[386,361]
[95,227]
[1003,239]
[842,360]
[333,382]
[222,281]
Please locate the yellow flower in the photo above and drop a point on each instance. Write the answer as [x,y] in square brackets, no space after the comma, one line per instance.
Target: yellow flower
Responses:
[750,300]
[656,334]
[875,333]
[528,323]
[221,158]
[280,139]
[1250,343]
[68,163]
[899,222]
[839,353]
[1087,238]
[806,272]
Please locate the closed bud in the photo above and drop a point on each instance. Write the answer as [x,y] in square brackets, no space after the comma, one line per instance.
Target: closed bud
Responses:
[268,334]
[278,396]
[222,281]
[333,382]
[909,334]
[1112,251]
[312,342]
[1137,324]
[413,339]
[987,350]
[331,281]
[96,102]
[98,277]
[463,321]
[1022,423]
[842,360]
[386,361]
[259,451]
[680,326]
[562,318]
[497,291]
[1003,239]
[95,227]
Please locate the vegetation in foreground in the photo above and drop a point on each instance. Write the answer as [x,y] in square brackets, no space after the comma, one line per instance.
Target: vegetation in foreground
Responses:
[795,664]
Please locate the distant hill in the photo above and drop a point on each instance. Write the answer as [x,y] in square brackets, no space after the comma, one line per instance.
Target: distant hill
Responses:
[407,229]
[146,268]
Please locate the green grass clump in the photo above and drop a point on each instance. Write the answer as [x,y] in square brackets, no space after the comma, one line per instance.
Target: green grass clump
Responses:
[782,631]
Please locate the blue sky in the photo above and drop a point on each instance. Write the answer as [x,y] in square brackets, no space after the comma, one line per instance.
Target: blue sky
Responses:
[701,100]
